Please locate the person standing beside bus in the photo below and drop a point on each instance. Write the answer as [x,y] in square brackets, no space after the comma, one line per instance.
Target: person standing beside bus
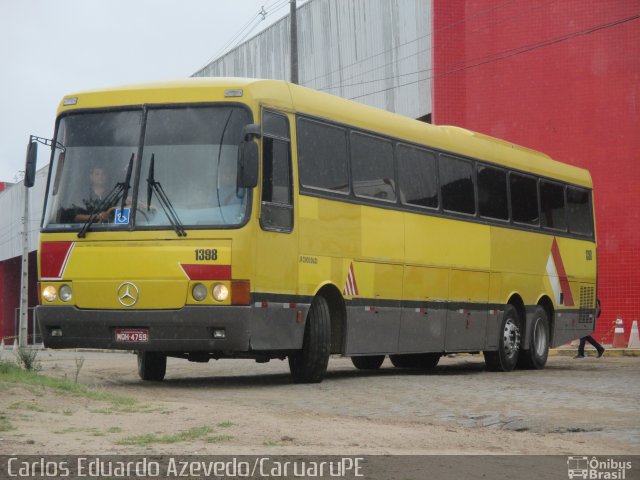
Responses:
[590,339]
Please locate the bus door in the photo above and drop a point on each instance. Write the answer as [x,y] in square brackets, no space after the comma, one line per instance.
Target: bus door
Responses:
[276,268]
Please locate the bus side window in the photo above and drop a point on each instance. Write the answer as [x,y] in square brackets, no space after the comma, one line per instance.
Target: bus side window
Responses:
[524,199]
[456,185]
[580,212]
[492,193]
[372,167]
[552,205]
[277,196]
[418,173]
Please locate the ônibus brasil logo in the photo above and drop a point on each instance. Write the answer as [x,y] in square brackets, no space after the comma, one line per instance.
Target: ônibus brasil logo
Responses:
[597,469]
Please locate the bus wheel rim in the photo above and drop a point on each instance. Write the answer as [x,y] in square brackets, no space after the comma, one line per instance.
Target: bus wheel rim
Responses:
[540,339]
[511,339]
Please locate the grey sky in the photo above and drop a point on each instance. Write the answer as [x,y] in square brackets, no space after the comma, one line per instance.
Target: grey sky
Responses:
[49,48]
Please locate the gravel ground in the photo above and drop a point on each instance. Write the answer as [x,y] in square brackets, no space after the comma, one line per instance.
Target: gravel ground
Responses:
[572,407]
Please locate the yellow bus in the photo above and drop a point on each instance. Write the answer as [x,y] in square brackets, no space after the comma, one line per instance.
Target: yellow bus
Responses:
[242,218]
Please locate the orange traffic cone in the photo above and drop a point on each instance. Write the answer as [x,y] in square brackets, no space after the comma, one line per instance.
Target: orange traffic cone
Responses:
[618,335]
[634,339]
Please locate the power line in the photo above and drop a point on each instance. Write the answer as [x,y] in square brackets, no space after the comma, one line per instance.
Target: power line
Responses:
[246,30]
[479,14]
[340,85]
[509,53]
[359,74]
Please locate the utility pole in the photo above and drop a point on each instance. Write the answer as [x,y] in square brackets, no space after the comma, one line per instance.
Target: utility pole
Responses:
[24,282]
[294,41]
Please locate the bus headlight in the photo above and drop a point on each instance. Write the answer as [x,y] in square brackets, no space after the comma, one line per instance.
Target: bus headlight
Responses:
[220,292]
[49,293]
[65,293]
[199,292]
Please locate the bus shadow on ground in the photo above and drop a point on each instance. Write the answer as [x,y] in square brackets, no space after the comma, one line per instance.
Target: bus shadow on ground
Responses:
[257,380]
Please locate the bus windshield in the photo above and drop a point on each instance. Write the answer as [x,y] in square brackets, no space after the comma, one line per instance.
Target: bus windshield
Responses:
[194,152]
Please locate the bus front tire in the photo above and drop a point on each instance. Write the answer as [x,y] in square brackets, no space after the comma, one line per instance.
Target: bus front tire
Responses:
[506,357]
[152,366]
[368,362]
[535,357]
[310,364]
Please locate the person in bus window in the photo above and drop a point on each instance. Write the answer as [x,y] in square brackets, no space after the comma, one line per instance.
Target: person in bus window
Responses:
[98,190]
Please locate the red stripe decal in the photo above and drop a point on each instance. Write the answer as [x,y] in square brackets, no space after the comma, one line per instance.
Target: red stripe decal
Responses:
[562,274]
[207,272]
[53,259]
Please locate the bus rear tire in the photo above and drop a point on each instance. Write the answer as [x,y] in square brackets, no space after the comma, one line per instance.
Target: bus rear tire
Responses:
[422,361]
[369,362]
[535,357]
[152,366]
[310,364]
[505,358]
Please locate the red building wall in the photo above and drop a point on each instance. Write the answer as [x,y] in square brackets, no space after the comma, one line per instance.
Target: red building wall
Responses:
[9,297]
[562,77]
[10,273]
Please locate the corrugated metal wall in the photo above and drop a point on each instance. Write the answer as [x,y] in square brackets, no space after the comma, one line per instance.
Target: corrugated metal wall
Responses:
[376,52]
[11,208]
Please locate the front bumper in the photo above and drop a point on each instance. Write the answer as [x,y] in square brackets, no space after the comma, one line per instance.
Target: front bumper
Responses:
[189,329]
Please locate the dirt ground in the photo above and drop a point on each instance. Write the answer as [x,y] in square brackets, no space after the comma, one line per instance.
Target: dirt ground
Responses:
[239,407]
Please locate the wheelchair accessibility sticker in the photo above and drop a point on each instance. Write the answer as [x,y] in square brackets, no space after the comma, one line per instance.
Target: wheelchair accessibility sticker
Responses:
[122,216]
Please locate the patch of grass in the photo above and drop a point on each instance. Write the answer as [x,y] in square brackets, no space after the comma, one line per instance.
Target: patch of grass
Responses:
[149,438]
[5,425]
[67,412]
[272,443]
[135,408]
[225,424]
[69,430]
[27,358]
[114,430]
[6,367]
[219,438]
[92,430]
[11,373]
[29,405]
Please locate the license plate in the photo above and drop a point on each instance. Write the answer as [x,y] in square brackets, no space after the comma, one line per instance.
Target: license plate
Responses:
[129,335]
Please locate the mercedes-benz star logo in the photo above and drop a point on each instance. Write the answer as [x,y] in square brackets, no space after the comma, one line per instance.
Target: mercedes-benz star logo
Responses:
[128,294]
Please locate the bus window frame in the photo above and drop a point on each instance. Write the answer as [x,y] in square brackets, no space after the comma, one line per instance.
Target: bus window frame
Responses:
[440,213]
[485,218]
[366,198]
[288,207]
[412,206]
[473,182]
[590,208]
[133,227]
[329,192]
[564,196]
[536,226]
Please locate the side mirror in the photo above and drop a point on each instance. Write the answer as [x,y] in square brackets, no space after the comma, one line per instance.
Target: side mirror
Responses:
[251,130]
[30,164]
[247,164]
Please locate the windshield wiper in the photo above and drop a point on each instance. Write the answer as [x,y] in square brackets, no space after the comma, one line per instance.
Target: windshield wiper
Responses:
[165,203]
[110,199]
